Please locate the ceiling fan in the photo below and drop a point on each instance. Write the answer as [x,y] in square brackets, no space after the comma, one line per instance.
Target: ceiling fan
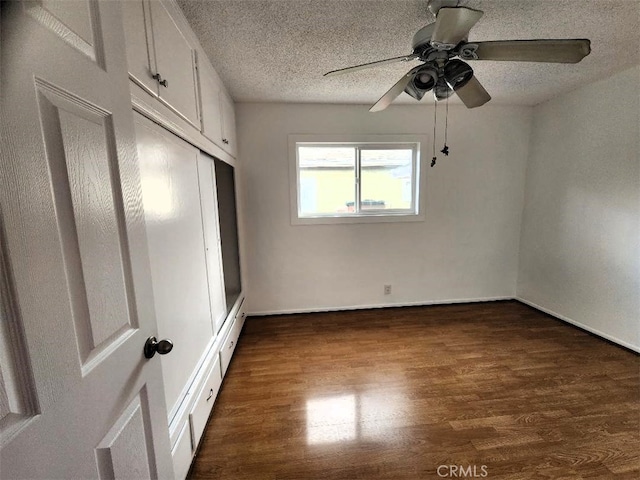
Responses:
[438,43]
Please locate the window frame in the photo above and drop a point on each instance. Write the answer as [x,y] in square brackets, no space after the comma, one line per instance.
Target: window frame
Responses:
[360,142]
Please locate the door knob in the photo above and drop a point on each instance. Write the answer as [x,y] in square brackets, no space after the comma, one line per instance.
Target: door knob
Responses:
[152,345]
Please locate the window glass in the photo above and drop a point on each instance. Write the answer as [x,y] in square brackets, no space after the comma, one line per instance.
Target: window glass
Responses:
[355,182]
[326,180]
[385,179]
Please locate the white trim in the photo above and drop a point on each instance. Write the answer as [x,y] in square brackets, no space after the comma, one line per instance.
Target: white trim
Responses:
[378,217]
[326,220]
[380,305]
[606,336]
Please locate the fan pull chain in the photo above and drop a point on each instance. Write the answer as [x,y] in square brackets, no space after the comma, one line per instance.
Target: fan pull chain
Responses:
[445,149]
[435,121]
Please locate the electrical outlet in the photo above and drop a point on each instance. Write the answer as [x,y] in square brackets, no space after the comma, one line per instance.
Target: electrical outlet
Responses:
[387,289]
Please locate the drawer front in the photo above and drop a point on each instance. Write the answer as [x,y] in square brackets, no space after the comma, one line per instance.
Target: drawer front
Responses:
[182,453]
[204,403]
[229,346]
[240,318]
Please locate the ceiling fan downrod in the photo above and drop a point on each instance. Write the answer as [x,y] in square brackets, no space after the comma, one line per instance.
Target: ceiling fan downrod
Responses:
[435,5]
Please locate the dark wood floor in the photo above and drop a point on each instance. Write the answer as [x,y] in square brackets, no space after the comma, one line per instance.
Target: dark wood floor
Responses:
[402,393]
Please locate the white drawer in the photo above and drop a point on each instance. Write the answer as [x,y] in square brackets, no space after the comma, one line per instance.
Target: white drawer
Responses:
[229,346]
[204,403]
[182,453]
[240,318]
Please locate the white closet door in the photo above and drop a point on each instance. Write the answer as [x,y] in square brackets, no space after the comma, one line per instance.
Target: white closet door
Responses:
[209,202]
[77,397]
[170,190]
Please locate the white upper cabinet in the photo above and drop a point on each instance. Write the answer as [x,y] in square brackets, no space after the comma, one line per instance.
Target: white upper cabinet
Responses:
[160,57]
[175,62]
[218,115]
[140,59]
[210,94]
[162,53]
[228,124]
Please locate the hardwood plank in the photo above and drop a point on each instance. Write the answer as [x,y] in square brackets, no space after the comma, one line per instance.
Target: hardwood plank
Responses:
[395,393]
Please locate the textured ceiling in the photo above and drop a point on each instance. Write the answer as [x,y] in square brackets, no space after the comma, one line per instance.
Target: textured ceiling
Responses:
[277,50]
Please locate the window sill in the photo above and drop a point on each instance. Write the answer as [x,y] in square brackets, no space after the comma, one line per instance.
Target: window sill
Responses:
[343,219]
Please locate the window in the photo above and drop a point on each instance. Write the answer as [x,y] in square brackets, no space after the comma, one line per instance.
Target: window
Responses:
[376,179]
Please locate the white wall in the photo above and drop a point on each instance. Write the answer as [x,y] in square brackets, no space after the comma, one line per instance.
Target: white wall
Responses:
[467,248]
[580,245]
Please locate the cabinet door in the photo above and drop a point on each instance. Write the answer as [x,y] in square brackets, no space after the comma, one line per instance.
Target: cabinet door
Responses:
[209,202]
[137,34]
[170,193]
[210,107]
[228,124]
[175,61]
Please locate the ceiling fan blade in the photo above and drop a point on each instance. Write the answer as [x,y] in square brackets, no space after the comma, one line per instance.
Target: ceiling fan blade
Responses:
[473,93]
[392,93]
[355,68]
[555,51]
[453,25]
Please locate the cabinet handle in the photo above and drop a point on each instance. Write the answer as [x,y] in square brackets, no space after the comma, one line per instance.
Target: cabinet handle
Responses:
[231,345]
[210,395]
[157,77]
[224,140]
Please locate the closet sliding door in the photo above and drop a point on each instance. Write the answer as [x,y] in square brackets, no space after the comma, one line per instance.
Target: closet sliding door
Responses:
[169,169]
[210,222]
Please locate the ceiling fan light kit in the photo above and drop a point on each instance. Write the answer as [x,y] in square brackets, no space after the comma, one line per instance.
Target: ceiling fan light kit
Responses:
[439,43]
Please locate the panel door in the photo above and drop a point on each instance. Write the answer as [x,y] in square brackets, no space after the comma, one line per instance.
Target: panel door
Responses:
[79,399]
[169,168]
[175,62]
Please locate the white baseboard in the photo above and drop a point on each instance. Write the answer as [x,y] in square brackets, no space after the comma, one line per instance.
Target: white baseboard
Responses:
[611,338]
[378,305]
